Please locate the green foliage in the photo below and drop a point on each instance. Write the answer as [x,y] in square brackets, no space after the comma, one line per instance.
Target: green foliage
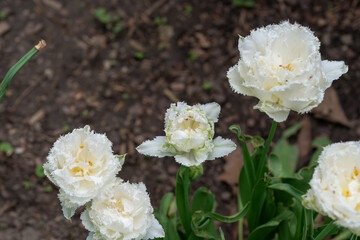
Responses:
[66,128]
[39,171]
[161,46]
[27,185]
[244,3]
[3,15]
[285,156]
[160,20]
[14,69]
[193,56]
[48,189]
[139,55]
[6,148]
[207,85]
[271,202]
[112,22]
[188,10]
[85,113]
[125,96]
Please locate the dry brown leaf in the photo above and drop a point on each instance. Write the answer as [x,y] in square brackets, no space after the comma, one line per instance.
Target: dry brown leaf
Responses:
[331,110]
[234,162]
[36,117]
[304,139]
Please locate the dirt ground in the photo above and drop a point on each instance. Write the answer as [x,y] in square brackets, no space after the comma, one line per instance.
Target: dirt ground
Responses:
[122,83]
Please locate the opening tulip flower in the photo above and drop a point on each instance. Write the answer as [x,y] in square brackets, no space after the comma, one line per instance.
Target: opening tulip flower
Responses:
[281,66]
[121,212]
[335,185]
[189,135]
[81,163]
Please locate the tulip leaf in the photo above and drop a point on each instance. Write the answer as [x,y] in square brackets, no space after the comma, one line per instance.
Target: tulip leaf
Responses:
[203,226]
[287,188]
[14,69]
[326,230]
[257,201]
[203,200]
[320,142]
[165,203]
[262,231]
[230,219]
[287,155]
[353,237]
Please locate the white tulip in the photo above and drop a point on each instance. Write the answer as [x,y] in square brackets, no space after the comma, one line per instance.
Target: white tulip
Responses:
[189,135]
[121,212]
[335,185]
[81,163]
[281,66]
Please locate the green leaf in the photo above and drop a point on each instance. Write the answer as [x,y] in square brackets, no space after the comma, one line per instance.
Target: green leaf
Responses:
[248,164]
[269,208]
[203,200]
[244,188]
[257,201]
[308,224]
[230,219]
[14,69]
[291,130]
[320,142]
[139,55]
[287,188]
[237,130]
[6,148]
[222,237]
[207,85]
[262,231]
[39,171]
[165,203]
[257,141]
[203,226]
[244,3]
[354,237]
[327,230]
[301,185]
[287,155]
[296,224]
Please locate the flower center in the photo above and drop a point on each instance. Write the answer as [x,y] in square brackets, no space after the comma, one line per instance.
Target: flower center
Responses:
[83,164]
[288,67]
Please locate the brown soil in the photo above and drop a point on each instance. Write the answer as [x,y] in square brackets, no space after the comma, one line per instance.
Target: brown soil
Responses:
[86,76]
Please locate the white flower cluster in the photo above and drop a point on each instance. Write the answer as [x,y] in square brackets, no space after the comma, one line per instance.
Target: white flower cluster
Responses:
[335,185]
[281,66]
[189,135]
[84,167]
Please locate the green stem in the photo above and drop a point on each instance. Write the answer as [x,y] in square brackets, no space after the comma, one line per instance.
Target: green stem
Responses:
[262,162]
[182,192]
[241,221]
[14,69]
